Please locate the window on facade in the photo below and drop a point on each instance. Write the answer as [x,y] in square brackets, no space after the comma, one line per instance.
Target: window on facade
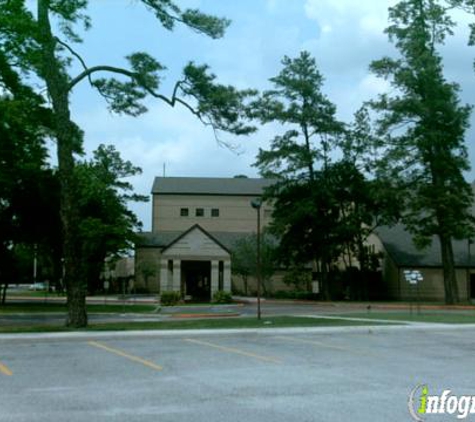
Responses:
[200,212]
[184,212]
[214,212]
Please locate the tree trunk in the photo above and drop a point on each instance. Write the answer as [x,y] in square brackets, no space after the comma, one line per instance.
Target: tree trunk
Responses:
[450,280]
[51,69]
[3,293]
[325,282]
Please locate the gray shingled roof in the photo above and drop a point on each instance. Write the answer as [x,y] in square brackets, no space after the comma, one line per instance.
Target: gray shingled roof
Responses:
[209,186]
[400,247]
[164,239]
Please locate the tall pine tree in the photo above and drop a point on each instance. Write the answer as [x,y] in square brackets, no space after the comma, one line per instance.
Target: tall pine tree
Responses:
[424,126]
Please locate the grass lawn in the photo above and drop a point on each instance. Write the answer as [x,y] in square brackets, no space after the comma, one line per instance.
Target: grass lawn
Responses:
[425,316]
[271,322]
[38,307]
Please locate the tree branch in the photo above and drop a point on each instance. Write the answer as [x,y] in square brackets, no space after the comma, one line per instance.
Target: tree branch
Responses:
[111,69]
[89,71]
[75,54]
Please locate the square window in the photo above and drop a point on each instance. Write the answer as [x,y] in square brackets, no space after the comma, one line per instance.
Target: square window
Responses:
[183,212]
[214,212]
[200,212]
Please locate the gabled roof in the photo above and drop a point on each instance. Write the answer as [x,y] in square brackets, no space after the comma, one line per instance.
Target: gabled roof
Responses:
[192,228]
[156,240]
[400,247]
[210,186]
[162,240]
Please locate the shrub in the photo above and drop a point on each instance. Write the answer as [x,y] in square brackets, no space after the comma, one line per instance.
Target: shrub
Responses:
[170,298]
[142,290]
[299,278]
[222,297]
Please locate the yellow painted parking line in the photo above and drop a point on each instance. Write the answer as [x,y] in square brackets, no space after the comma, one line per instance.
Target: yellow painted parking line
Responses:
[125,355]
[5,371]
[233,350]
[327,345]
[450,334]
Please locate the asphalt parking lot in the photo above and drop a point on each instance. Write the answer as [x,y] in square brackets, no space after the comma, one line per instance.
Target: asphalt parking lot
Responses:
[359,375]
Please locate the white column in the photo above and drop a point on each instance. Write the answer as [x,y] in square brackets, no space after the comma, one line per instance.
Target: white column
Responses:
[227,276]
[163,275]
[176,275]
[214,277]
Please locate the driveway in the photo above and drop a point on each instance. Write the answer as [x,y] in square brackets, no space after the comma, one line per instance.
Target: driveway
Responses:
[358,375]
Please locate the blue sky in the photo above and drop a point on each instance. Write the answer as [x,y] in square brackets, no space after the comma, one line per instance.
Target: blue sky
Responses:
[343,35]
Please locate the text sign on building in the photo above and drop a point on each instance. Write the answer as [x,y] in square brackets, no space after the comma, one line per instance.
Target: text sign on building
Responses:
[413,276]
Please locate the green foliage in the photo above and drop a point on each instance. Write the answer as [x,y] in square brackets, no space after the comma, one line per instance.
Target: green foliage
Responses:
[25,183]
[107,226]
[147,269]
[222,297]
[70,12]
[319,219]
[222,107]
[17,34]
[424,124]
[141,290]
[298,277]
[42,46]
[323,208]
[244,257]
[306,113]
[303,217]
[169,14]
[170,298]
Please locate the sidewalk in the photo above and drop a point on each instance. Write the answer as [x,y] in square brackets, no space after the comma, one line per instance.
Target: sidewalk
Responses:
[369,329]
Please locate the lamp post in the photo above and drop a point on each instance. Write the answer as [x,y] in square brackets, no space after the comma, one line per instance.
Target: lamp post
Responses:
[469,263]
[256,204]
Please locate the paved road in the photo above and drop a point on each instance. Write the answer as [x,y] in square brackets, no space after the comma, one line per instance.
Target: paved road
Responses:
[360,375]
[269,308]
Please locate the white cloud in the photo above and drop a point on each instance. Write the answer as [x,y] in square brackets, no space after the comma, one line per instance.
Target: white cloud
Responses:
[343,35]
[173,137]
[373,86]
[363,17]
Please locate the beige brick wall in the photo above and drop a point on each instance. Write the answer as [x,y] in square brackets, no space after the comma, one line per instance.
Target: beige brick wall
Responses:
[235,213]
[274,285]
[431,288]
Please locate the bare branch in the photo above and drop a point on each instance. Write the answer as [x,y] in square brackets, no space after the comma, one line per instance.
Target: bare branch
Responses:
[89,71]
[112,69]
[142,84]
[75,54]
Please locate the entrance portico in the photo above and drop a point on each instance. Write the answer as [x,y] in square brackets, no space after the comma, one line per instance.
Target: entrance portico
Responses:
[196,265]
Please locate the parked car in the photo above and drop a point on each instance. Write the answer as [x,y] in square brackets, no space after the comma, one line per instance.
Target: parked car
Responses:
[37,287]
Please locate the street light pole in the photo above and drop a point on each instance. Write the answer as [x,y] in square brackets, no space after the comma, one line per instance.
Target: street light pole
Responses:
[469,272]
[256,204]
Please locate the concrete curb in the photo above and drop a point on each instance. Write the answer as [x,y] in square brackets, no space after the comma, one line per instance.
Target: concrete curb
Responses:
[370,329]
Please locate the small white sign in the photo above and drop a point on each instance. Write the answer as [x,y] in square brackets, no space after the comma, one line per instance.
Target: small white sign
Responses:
[315,287]
[413,276]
